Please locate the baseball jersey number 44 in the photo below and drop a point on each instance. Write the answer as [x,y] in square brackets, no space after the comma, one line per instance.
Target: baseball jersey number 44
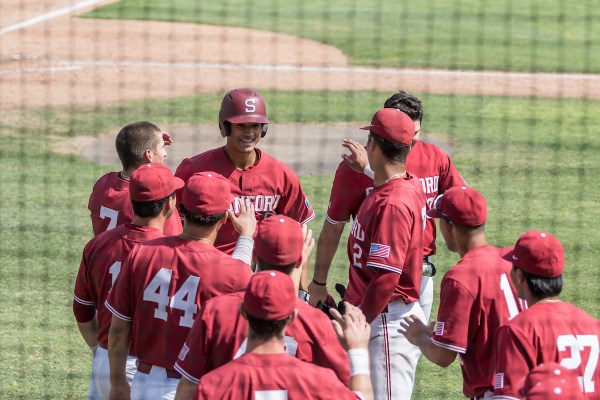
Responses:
[576,344]
[157,291]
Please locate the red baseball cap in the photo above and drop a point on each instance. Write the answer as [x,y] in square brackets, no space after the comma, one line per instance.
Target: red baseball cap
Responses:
[270,296]
[207,193]
[460,205]
[538,253]
[279,240]
[393,125]
[550,381]
[151,182]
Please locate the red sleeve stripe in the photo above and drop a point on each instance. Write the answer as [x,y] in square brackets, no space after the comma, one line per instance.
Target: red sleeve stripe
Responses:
[116,313]
[84,302]
[185,374]
[505,398]
[384,266]
[333,221]
[449,347]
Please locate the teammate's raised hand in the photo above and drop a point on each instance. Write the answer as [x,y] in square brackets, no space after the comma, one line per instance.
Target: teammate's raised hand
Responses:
[245,223]
[309,245]
[415,330]
[351,328]
[167,138]
[357,159]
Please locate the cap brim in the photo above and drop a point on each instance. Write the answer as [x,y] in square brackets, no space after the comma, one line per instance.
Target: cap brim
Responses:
[366,128]
[507,253]
[178,183]
[434,213]
[241,119]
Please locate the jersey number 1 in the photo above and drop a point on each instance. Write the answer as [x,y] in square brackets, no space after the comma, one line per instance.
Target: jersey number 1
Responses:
[157,291]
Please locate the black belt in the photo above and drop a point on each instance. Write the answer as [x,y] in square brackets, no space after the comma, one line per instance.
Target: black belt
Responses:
[145,368]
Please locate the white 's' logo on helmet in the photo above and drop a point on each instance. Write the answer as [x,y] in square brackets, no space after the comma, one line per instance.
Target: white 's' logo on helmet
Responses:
[250,105]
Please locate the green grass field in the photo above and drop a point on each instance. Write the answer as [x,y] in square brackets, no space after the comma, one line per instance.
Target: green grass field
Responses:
[535,160]
[527,35]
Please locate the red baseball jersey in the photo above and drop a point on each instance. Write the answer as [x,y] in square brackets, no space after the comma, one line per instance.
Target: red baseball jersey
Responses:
[271,377]
[100,266]
[548,332]
[110,206]
[427,161]
[387,233]
[269,184]
[476,297]
[161,287]
[219,335]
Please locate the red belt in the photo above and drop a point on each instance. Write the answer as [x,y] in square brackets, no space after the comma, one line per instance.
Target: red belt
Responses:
[145,368]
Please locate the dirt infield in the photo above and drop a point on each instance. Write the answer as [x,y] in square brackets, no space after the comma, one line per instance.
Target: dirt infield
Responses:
[67,61]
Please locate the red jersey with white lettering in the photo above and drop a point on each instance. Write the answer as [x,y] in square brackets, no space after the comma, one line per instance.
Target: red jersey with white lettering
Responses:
[387,233]
[426,161]
[548,332]
[476,297]
[271,377]
[271,186]
[219,335]
[100,266]
[110,206]
[161,287]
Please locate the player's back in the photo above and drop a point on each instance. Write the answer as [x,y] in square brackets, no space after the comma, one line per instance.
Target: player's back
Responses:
[271,376]
[219,335]
[110,206]
[101,265]
[168,280]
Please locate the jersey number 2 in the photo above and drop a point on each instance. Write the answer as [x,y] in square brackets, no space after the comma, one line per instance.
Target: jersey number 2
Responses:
[157,291]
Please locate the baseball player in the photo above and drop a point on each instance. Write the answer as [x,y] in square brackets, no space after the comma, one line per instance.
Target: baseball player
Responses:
[137,144]
[219,333]
[476,295]
[164,282]
[350,187]
[550,330]
[385,249]
[152,190]
[271,186]
[266,371]
[551,381]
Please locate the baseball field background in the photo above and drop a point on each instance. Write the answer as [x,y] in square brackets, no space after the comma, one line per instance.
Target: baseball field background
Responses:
[511,90]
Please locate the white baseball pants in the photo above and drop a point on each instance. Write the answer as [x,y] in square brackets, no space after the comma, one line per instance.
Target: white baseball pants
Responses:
[153,386]
[100,380]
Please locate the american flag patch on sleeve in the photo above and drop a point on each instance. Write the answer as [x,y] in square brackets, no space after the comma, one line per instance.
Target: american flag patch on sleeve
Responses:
[439,329]
[379,250]
[183,352]
[499,382]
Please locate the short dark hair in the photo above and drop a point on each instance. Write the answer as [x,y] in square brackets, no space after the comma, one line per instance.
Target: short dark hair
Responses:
[286,269]
[149,209]
[542,287]
[407,103]
[133,140]
[264,329]
[199,219]
[394,152]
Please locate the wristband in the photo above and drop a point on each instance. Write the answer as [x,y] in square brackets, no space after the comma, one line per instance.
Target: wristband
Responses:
[359,361]
[369,172]
[303,295]
[319,283]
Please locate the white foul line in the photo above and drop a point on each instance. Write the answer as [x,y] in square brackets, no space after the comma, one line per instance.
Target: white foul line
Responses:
[344,69]
[50,15]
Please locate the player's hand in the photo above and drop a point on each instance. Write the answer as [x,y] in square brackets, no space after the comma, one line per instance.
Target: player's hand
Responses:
[245,223]
[119,391]
[167,138]
[351,328]
[309,245]
[415,330]
[357,159]
[318,294]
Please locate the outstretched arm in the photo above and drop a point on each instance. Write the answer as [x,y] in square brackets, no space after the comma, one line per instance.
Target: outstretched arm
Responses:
[326,248]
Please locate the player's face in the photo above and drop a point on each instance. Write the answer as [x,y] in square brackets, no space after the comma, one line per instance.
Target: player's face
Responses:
[446,230]
[159,153]
[244,137]
[417,131]
[515,281]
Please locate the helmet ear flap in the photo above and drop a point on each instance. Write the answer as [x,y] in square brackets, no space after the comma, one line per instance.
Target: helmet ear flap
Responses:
[263,130]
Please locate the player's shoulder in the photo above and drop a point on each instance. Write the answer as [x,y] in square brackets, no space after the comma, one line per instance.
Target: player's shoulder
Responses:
[311,314]
[225,302]
[274,165]
[203,158]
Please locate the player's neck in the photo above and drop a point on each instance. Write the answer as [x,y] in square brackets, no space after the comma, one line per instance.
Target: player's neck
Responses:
[261,346]
[157,222]
[469,243]
[241,160]
[388,172]
[531,299]
[199,233]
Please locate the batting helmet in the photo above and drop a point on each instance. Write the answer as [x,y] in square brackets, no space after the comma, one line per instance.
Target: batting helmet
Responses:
[241,106]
